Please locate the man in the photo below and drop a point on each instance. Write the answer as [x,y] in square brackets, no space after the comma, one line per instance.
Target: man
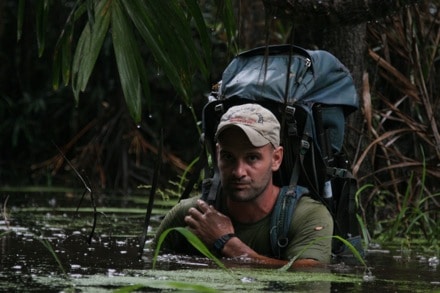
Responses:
[248,152]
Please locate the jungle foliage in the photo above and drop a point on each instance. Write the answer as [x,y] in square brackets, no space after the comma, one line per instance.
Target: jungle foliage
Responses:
[102,80]
[400,99]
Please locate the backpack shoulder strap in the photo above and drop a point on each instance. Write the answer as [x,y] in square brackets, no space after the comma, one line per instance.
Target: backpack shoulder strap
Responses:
[282,215]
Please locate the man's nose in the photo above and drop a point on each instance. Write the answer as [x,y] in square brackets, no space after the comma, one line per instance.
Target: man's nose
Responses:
[239,169]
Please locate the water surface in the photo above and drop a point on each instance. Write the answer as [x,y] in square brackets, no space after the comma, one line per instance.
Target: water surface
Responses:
[44,247]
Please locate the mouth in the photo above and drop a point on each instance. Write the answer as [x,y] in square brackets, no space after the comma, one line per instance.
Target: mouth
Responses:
[239,185]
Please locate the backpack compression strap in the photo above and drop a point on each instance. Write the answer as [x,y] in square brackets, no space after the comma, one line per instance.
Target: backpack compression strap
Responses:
[282,215]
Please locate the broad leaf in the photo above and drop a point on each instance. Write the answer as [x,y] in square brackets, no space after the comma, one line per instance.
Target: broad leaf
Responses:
[128,59]
[203,31]
[172,42]
[153,29]
[192,239]
[41,24]
[20,17]
[88,48]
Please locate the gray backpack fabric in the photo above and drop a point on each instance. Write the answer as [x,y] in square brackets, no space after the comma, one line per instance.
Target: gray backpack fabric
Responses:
[313,77]
[311,93]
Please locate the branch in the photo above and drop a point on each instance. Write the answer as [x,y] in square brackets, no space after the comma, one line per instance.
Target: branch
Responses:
[334,12]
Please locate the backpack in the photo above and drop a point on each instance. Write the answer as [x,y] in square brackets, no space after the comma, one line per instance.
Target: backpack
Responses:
[311,93]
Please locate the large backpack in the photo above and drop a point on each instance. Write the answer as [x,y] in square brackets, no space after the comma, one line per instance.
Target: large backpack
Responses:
[311,93]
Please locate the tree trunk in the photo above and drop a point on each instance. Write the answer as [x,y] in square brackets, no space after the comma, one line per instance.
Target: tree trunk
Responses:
[348,44]
[251,18]
[340,12]
[338,26]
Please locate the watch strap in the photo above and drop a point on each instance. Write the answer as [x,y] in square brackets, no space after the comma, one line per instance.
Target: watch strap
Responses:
[220,243]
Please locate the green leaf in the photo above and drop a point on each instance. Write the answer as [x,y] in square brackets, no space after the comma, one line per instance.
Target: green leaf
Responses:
[88,48]
[130,288]
[353,249]
[66,55]
[150,24]
[20,17]
[192,239]
[49,247]
[228,18]
[203,31]
[42,11]
[172,42]
[89,6]
[56,69]
[188,47]
[62,58]
[128,59]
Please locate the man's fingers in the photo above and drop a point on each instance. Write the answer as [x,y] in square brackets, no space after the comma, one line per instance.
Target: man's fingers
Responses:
[193,217]
[194,212]
[197,215]
[203,206]
[190,221]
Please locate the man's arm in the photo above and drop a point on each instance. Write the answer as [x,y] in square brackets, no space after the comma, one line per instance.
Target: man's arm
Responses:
[209,225]
[235,248]
[312,226]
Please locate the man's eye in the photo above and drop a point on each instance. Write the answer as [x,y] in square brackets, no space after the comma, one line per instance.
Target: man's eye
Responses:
[226,157]
[253,158]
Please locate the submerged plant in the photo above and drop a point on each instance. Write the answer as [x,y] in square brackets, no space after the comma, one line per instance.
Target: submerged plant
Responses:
[416,216]
[49,248]
[347,243]
[201,247]
[4,233]
[167,285]
[192,239]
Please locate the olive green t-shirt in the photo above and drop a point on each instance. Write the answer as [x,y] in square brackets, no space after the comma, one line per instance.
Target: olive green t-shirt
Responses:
[311,221]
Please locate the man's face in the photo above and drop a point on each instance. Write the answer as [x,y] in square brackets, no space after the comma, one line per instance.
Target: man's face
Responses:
[245,170]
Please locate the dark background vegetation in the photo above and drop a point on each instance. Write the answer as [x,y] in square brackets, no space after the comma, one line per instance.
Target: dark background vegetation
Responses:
[393,140]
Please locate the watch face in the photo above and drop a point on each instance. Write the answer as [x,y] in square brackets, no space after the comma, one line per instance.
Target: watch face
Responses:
[220,243]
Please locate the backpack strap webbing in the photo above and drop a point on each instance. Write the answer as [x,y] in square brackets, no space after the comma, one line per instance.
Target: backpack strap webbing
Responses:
[345,220]
[289,195]
[211,193]
[281,218]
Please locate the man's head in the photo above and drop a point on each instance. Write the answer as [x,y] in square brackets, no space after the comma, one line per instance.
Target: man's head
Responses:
[258,123]
[248,151]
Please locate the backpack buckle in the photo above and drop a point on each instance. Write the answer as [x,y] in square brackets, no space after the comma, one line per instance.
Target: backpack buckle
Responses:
[336,172]
[219,108]
[290,110]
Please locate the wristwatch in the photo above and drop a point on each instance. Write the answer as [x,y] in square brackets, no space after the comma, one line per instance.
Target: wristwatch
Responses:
[219,244]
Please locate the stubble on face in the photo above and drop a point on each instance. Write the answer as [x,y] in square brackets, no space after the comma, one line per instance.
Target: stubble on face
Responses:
[256,175]
[246,190]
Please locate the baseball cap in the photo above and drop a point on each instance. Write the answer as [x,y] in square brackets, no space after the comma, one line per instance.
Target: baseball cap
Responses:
[258,123]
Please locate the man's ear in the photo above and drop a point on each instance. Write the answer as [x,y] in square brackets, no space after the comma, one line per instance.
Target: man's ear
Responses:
[277,158]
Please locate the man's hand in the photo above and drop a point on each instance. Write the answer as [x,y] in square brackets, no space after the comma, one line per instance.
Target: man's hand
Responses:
[208,223]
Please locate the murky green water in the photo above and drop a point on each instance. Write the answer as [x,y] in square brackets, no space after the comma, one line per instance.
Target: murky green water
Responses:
[112,261]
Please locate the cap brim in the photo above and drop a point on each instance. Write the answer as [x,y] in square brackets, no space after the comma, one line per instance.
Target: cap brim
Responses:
[255,138]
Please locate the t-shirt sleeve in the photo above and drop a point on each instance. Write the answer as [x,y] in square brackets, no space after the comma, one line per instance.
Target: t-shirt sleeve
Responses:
[311,230]
[174,218]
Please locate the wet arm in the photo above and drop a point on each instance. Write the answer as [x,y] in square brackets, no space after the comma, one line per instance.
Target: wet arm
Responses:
[235,248]
[209,225]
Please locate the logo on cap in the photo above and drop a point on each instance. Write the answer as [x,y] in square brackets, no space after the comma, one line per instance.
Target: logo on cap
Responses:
[258,123]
